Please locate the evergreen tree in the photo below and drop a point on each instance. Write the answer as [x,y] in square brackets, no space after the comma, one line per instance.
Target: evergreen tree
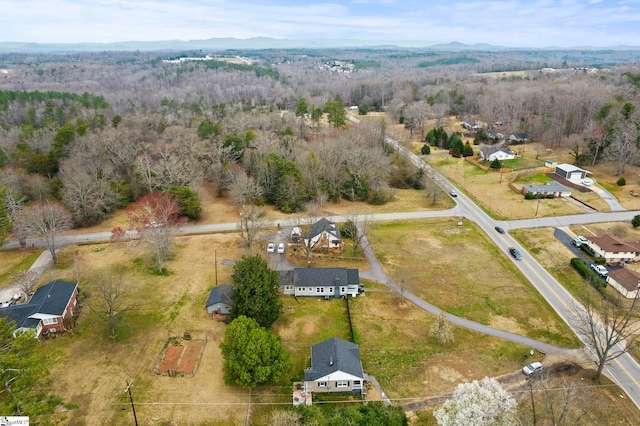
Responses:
[255,291]
[252,355]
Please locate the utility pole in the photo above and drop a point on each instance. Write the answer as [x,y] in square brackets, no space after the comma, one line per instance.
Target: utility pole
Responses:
[215,263]
[538,206]
[133,408]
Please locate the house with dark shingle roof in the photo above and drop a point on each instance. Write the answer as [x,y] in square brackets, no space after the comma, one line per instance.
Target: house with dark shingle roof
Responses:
[335,367]
[614,249]
[219,301]
[324,234]
[625,281]
[321,282]
[47,309]
[471,124]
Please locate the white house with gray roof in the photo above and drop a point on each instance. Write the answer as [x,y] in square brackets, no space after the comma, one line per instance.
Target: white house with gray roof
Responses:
[499,152]
[335,367]
[550,188]
[219,301]
[320,282]
[323,234]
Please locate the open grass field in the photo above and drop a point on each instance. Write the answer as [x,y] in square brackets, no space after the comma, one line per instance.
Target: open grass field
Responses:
[12,261]
[496,197]
[463,273]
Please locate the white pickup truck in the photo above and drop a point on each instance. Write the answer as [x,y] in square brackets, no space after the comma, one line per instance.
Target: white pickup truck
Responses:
[599,269]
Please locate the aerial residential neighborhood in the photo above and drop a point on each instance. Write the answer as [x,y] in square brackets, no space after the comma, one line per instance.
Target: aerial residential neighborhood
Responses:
[198,235]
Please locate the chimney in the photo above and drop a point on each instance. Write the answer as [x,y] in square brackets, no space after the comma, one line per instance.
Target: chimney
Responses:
[330,360]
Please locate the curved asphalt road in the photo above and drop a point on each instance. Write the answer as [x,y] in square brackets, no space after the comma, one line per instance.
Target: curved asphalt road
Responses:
[625,371]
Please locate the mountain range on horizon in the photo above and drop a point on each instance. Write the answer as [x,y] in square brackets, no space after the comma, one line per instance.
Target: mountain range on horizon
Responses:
[262,43]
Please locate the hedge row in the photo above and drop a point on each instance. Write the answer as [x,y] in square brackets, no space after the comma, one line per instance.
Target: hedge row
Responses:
[592,278]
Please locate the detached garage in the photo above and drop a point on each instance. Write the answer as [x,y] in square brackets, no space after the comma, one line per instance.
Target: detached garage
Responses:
[571,172]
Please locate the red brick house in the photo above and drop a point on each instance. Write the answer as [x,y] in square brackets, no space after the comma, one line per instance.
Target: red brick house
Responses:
[47,309]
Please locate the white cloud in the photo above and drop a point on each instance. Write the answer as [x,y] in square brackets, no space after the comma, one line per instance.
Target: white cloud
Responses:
[500,22]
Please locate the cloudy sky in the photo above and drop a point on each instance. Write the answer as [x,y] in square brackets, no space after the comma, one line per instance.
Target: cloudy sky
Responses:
[531,23]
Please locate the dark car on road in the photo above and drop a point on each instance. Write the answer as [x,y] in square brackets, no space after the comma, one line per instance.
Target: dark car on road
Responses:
[515,253]
[500,230]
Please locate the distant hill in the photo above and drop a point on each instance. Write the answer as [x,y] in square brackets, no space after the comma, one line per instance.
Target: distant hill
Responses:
[259,43]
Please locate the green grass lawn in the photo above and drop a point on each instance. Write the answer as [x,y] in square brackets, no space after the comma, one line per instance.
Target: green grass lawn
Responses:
[12,261]
[534,179]
[464,273]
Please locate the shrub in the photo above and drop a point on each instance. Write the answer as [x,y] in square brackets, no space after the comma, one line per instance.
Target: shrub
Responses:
[496,164]
[636,221]
[455,152]
[592,278]
[585,248]
[622,181]
[599,260]
[425,150]
[529,196]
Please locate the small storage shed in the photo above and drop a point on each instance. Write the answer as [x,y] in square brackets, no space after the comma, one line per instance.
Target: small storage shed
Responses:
[219,301]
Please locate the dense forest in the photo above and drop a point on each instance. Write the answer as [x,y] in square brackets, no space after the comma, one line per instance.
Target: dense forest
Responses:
[97,131]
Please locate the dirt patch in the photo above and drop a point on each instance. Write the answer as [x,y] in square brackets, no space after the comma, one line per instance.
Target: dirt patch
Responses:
[180,359]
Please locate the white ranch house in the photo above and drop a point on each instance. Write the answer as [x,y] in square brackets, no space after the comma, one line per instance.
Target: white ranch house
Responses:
[320,282]
[614,249]
[335,367]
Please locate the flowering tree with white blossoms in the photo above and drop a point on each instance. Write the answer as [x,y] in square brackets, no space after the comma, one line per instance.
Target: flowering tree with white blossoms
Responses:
[482,403]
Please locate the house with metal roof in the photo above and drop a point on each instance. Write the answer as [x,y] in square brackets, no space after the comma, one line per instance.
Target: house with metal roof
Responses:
[571,172]
[335,367]
[47,310]
[321,282]
[219,301]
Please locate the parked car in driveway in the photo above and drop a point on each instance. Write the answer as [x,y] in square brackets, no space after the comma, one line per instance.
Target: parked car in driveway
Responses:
[600,269]
[281,248]
[271,248]
[532,368]
[515,253]
[580,240]
[500,230]
[586,182]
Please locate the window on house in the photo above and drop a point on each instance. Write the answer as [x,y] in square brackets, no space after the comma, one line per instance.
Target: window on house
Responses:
[356,382]
[48,321]
[320,290]
[342,384]
[322,384]
[342,289]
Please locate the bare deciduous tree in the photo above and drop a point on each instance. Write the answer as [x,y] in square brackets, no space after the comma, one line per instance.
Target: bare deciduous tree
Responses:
[624,149]
[244,189]
[251,220]
[89,197]
[556,402]
[44,220]
[111,299]
[357,228]
[609,333]
[432,190]
[25,281]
